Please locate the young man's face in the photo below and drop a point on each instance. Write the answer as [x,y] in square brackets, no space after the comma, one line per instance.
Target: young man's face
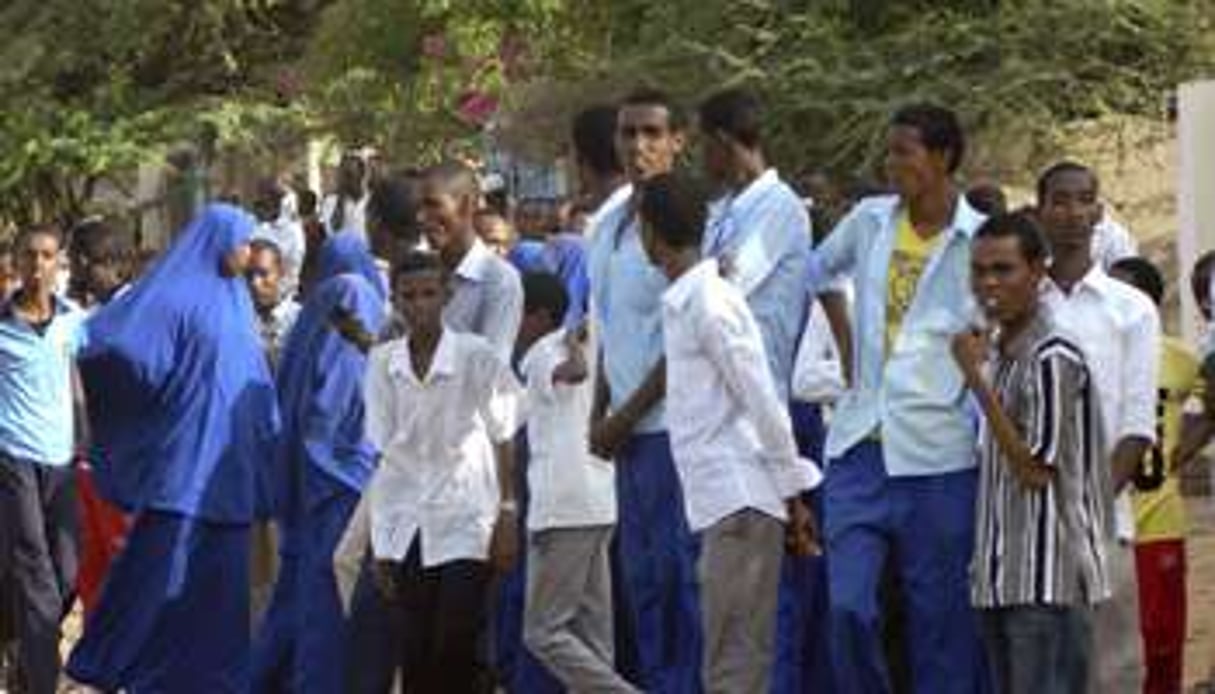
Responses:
[102,275]
[1070,209]
[421,296]
[910,166]
[1004,281]
[645,141]
[350,175]
[38,262]
[716,154]
[496,232]
[446,217]
[265,275]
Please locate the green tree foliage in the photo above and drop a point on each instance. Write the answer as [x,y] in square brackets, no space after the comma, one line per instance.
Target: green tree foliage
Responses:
[832,71]
[91,88]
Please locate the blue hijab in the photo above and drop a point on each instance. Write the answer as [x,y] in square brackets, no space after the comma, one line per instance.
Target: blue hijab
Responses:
[181,402]
[566,257]
[320,383]
[346,252]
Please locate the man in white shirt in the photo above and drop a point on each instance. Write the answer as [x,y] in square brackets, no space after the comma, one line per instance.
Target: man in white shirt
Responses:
[731,439]
[443,409]
[1118,330]
[486,294]
[276,312]
[346,208]
[285,232]
[571,517]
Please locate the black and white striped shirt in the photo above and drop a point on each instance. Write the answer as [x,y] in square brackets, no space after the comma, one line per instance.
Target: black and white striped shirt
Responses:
[1047,546]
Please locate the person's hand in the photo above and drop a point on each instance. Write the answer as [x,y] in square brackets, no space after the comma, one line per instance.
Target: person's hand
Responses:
[970,348]
[350,327]
[1033,475]
[384,576]
[504,544]
[608,436]
[801,534]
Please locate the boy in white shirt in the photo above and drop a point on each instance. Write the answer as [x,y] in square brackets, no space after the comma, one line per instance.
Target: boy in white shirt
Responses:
[731,439]
[443,409]
[567,621]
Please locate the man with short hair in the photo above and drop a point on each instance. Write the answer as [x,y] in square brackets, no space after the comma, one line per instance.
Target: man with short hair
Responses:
[39,337]
[901,481]
[656,550]
[1118,329]
[760,232]
[283,230]
[276,312]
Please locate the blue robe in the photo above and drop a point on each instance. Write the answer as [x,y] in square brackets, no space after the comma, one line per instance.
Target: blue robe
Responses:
[183,418]
[323,464]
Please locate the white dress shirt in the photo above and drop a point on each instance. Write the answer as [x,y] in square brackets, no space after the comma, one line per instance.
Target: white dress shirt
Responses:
[1112,242]
[289,237]
[486,299]
[569,487]
[1118,329]
[730,433]
[818,375]
[438,475]
[354,215]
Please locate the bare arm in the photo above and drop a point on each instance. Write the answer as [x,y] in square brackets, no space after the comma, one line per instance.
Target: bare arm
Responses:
[835,305]
[1127,456]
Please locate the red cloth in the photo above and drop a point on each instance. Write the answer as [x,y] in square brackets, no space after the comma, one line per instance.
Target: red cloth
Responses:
[1160,565]
[103,533]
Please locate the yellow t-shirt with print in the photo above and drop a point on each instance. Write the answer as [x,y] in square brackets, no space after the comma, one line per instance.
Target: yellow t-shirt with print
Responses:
[907,263]
[1160,514]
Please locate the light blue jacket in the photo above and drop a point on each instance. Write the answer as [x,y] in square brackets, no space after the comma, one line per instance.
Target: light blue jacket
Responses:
[914,398]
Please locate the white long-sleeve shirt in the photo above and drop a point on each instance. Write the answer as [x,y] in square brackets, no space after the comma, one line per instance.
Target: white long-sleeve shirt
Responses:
[438,476]
[730,433]
[1118,330]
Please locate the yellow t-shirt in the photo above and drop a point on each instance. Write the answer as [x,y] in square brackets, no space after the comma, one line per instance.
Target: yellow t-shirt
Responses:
[1160,514]
[907,263]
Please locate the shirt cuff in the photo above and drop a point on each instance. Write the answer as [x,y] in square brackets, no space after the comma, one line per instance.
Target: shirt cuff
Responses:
[797,476]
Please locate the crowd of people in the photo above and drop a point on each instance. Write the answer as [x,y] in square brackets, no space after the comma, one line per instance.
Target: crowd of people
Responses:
[687,431]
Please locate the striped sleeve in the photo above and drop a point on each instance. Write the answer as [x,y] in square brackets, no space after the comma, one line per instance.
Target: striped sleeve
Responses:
[1055,385]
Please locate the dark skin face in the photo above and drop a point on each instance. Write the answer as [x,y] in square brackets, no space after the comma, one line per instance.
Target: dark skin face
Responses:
[496,233]
[1069,210]
[350,175]
[1004,281]
[911,167]
[265,275]
[717,153]
[103,275]
[646,142]
[421,296]
[446,218]
[37,263]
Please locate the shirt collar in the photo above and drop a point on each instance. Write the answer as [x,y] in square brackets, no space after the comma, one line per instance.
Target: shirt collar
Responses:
[1038,328]
[964,223]
[444,363]
[680,291]
[475,263]
[1095,280]
[755,190]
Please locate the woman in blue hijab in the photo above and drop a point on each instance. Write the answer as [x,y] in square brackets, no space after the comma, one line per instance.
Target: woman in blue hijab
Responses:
[183,416]
[323,465]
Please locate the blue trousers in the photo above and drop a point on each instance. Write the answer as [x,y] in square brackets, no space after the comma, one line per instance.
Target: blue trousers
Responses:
[925,526]
[803,659]
[657,558]
[174,614]
[301,646]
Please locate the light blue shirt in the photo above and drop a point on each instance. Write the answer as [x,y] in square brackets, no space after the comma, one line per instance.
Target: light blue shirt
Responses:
[914,398]
[36,414]
[762,235]
[626,302]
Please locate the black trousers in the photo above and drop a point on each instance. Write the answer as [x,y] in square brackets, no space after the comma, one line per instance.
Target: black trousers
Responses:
[433,622]
[38,545]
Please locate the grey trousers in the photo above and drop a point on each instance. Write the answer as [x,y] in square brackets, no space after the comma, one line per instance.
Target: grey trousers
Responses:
[739,574]
[1117,663]
[1038,649]
[567,619]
